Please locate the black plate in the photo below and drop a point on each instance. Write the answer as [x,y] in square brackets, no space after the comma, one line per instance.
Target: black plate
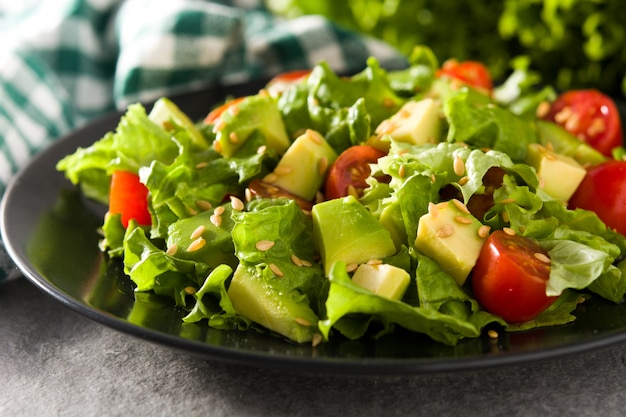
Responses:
[50,232]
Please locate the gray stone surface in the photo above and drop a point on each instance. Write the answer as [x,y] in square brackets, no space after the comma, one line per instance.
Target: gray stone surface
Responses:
[54,362]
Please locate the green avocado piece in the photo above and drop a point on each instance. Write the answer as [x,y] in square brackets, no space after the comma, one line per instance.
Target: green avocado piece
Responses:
[344,230]
[302,169]
[417,122]
[554,136]
[450,236]
[164,110]
[559,175]
[257,300]
[198,238]
[382,279]
[258,112]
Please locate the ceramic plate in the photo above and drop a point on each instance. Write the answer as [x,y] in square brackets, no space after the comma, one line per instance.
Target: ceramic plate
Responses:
[49,229]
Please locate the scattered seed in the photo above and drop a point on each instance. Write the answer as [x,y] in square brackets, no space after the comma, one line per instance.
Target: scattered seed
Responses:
[261,149]
[542,109]
[492,334]
[201,165]
[198,232]
[264,245]
[167,125]
[433,209]
[302,322]
[316,340]
[190,290]
[217,146]
[507,201]
[196,245]
[463,220]
[322,165]
[596,126]
[433,178]
[509,231]
[319,197]
[171,251]
[276,270]
[374,262]
[234,110]
[542,182]
[505,217]
[462,207]
[236,203]
[305,262]
[263,92]
[464,180]
[233,138]
[458,165]
[270,178]
[192,211]
[542,257]
[314,136]
[248,194]
[219,210]
[204,205]
[550,146]
[296,261]
[282,170]
[216,220]
[352,191]
[389,103]
[446,230]
[401,171]
[351,267]
[483,231]
[572,122]
[563,115]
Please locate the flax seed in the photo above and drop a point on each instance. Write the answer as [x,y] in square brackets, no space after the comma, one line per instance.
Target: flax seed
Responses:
[264,245]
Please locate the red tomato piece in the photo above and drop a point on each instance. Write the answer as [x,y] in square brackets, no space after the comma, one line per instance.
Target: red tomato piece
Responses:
[471,73]
[510,276]
[129,197]
[281,82]
[603,191]
[348,173]
[591,116]
[215,114]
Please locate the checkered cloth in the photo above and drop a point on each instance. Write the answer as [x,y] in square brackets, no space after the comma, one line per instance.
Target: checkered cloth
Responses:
[65,62]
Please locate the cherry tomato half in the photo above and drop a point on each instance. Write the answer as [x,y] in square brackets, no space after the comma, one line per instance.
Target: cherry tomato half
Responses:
[217,112]
[471,73]
[348,173]
[281,82]
[129,197]
[603,191]
[510,276]
[590,115]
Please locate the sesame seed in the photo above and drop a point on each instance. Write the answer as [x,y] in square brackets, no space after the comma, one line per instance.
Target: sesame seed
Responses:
[276,270]
[263,92]
[261,149]
[305,262]
[197,233]
[282,170]
[192,211]
[351,267]
[216,220]
[401,171]
[233,138]
[389,103]
[296,261]
[596,126]
[542,109]
[563,115]
[509,231]
[171,251]
[190,290]
[219,210]
[204,205]
[433,209]
[270,177]
[302,322]
[316,340]
[572,122]
[483,231]
[542,257]
[446,230]
[433,178]
[464,180]
[201,165]
[374,262]
[462,207]
[463,220]
[492,334]
[322,165]
[458,165]
[550,146]
[507,201]
[264,245]
[248,194]
[505,217]
[236,203]
[314,136]
[234,110]
[217,146]
[196,245]
[352,191]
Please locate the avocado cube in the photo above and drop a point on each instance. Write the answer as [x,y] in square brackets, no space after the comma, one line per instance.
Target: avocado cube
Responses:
[257,300]
[559,175]
[302,169]
[164,110]
[259,112]
[344,230]
[417,122]
[449,235]
[382,279]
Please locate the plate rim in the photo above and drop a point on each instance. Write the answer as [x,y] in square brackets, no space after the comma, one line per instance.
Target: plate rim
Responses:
[326,365]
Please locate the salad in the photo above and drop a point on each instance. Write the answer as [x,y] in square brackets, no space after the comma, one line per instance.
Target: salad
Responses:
[326,206]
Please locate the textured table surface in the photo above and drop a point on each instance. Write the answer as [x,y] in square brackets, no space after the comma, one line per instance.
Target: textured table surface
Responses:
[55,362]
